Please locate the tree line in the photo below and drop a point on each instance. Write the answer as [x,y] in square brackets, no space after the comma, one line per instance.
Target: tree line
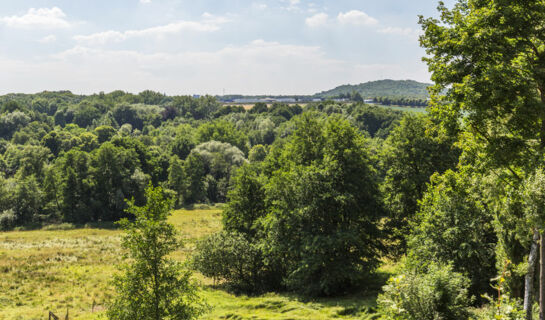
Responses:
[393,101]
[72,158]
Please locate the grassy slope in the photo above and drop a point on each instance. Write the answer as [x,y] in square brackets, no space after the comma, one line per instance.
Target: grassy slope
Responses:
[54,270]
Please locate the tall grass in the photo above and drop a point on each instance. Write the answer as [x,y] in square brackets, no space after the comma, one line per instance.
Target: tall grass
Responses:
[63,267]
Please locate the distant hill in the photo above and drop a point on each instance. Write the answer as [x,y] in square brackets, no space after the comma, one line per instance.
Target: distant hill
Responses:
[382,88]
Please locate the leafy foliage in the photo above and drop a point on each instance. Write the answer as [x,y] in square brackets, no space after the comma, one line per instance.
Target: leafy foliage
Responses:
[411,154]
[454,226]
[231,257]
[153,286]
[436,293]
[485,58]
[316,199]
[247,202]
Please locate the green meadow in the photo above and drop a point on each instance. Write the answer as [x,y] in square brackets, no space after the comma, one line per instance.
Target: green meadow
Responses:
[62,269]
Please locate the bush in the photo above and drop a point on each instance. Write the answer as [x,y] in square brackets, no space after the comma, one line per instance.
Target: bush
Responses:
[230,257]
[59,227]
[7,220]
[439,293]
[504,308]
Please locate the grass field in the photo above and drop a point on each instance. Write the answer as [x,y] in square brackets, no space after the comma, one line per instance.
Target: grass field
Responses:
[71,269]
[404,108]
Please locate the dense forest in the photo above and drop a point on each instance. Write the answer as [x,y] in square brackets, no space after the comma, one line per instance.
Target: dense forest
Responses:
[70,158]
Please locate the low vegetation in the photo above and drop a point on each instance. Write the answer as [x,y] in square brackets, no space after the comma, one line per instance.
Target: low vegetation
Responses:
[57,270]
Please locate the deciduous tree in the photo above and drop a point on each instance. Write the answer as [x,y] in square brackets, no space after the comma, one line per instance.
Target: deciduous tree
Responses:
[153,286]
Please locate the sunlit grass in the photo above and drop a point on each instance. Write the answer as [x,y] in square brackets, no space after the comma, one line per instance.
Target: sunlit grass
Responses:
[71,269]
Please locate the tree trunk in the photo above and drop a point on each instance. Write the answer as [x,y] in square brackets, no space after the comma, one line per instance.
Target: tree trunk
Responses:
[529,278]
[541,278]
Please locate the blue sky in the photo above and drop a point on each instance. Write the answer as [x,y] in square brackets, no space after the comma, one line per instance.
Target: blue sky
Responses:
[205,46]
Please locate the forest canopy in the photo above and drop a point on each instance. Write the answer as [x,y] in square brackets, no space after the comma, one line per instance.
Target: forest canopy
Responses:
[74,158]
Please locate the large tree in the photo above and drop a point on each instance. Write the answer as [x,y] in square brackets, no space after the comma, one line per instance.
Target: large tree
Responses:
[455,226]
[322,222]
[411,154]
[487,60]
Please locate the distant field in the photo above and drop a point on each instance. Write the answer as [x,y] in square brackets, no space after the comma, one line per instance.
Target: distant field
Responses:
[248,106]
[404,108]
[55,270]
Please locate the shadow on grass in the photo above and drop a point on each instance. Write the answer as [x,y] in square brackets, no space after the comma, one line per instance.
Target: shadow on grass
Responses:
[108,225]
[203,206]
[359,302]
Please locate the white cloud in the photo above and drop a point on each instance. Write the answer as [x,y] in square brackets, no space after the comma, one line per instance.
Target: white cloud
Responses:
[312,7]
[259,6]
[209,23]
[292,5]
[44,18]
[258,67]
[356,17]
[48,39]
[145,1]
[406,32]
[317,20]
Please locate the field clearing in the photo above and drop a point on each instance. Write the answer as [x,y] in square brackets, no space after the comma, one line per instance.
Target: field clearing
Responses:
[248,106]
[59,269]
[403,108]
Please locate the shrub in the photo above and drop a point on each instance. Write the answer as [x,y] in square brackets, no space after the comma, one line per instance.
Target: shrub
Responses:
[230,257]
[504,308]
[60,226]
[7,220]
[438,293]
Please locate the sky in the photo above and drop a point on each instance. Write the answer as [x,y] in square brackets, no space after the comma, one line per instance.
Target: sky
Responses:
[208,47]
